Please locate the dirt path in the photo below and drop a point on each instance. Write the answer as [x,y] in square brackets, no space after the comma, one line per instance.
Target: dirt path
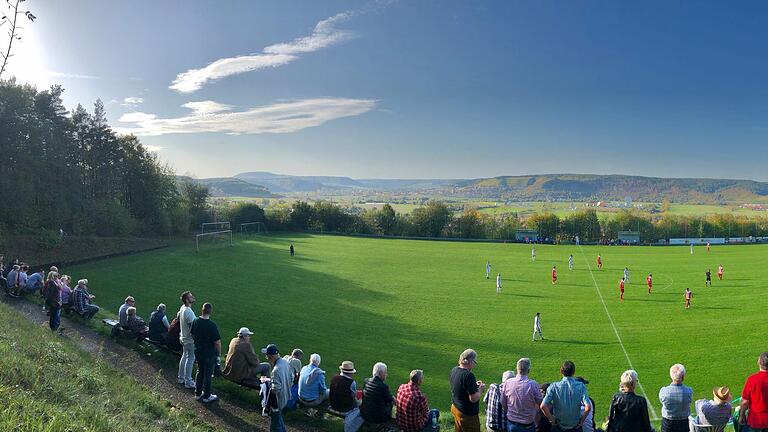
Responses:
[225,414]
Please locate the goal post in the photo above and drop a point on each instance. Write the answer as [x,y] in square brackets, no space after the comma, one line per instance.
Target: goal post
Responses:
[253,228]
[214,226]
[214,236]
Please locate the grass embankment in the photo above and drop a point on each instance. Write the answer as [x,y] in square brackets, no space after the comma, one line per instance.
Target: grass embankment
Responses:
[35,251]
[48,384]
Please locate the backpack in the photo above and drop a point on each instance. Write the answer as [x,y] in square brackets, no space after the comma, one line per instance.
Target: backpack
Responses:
[172,338]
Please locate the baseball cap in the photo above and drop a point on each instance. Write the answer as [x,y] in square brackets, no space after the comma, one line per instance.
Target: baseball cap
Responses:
[244,331]
[270,349]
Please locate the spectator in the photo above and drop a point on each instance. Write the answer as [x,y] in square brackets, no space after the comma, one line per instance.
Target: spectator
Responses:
[173,338]
[122,313]
[242,364]
[715,412]
[158,324]
[294,361]
[12,279]
[66,291]
[312,389]
[466,392]
[135,324]
[675,402]
[628,412]
[35,281]
[22,278]
[521,397]
[589,422]
[542,422]
[187,362]
[53,301]
[377,400]
[413,413]
[343,396]
[280,387]
[495,419]
[564,400]
[755,398]
[84,299]
[207,349]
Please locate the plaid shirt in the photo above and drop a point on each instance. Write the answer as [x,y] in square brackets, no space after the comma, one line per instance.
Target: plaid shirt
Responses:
[412,408]
[82,298]
[494,414]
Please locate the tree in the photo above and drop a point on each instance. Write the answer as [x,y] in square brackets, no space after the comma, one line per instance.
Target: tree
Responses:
[470,224]
[10,19]
[386,219]
[430,220]
[195,198]
[246,213]
[301,215]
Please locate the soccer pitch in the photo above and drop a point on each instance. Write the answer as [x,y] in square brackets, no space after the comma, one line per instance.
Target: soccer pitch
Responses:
[418,304]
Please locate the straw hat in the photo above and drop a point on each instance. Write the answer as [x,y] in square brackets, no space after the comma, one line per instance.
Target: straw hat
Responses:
[722,394]
[347,367]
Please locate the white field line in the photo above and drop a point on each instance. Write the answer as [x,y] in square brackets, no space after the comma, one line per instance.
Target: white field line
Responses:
[616,332]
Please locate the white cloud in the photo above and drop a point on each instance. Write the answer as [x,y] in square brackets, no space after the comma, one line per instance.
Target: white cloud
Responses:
[283,117]
[152,148]
[70,75]
[323,35]
[133,100]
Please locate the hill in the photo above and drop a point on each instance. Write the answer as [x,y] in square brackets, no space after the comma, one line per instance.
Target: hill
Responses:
[231,186]
[288,183]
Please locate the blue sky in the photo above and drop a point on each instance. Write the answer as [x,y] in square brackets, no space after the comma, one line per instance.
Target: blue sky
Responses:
[419,89]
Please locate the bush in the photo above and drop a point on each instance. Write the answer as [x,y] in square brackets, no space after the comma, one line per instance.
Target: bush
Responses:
[48,239]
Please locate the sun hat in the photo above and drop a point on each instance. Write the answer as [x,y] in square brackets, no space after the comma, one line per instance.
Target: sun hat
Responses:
[244,331]
[723,394]
[347,367]
[128,299]
[270,349]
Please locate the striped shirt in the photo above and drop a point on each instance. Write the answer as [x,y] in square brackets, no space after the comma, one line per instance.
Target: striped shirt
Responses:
[675,401]
[494,414]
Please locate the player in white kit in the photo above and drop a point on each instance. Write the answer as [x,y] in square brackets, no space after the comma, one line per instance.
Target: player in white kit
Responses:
[487,269]
[533,253]
[626,274]
[537,326]
[498,283]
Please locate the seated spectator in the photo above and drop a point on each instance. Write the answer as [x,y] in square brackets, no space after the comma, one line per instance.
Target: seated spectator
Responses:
[566,403]
[377,400]
[717,411]
[22,278]
[136,325]
[413,413]
[122,313]
[172,339]
[628,412]
[36,281]
[495,419]
[312,389]
[12,278]
[66,291]
[675,402]
[158,324]
[242,363]
[84,299]
[754,397]
[343,389]
[294,361]
[521,397]
[542,422]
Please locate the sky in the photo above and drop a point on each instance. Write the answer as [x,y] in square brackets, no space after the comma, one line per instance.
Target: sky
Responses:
[418,89]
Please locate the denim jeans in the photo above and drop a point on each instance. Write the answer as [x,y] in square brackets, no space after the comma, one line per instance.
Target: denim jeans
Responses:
[186,364]
[674,425]
[55,320]
[276,423]
[89,311]
[517,427]
[205,365]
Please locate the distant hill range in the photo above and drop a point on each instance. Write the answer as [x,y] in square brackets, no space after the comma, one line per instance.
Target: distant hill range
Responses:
[547,187]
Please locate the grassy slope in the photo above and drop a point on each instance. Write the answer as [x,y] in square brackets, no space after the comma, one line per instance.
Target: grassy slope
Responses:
[417,304]
[47,384]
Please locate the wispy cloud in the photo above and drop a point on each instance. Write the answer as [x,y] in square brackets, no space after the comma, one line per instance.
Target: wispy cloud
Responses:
[152,148]
[283,117]
[324,35]
[56,74]
[134,100]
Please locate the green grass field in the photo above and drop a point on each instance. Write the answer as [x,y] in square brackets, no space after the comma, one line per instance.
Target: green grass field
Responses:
[418,304]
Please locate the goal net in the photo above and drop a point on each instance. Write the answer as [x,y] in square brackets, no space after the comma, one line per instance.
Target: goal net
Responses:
[206,227]
[213,238]
[253,228]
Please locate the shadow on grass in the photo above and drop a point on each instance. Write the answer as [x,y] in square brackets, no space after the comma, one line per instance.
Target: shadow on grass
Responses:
[579,342]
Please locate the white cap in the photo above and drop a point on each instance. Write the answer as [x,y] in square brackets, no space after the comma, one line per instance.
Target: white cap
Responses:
[244,331]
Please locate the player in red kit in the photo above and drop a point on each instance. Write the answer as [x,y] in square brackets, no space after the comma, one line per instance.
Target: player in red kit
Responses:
[554,275]
[649,280]
[599,262]
[621,289]
[720,272]
[688,295]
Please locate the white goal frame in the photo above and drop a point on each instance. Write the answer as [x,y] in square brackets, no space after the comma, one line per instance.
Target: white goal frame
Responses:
[219,226]
[197,238]
[261,224]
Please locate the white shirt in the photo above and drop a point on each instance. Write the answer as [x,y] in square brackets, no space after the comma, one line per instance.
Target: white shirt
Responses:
[536,322]
[498,281]
[186,316]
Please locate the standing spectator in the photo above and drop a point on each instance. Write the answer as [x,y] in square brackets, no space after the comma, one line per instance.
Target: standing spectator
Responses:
[312,389]
[715,412]
[377,400]
[466,392]
[343,396]
[755,398]
[280,387]
[495,420]
[207,348]
[122,313]
[187,362]
[413,413]
[589,422]
[53,301]
[294,362]
[566,399]
[242,364]
[542,422]
[136,325]
[84,299]
[521,396]
[158,324]
[628,412]
[675,402]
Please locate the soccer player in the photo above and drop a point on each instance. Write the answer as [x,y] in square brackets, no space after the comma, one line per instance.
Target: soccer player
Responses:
[537,326]
[709,278]
[570,261]
[498,283]
[533,253]
[720,272]
[599,262]
[707,246]
[649,280]
[626,274]
[554,275]
[621,289]
[691,248]
[487,269]
[688,295]
[290,249]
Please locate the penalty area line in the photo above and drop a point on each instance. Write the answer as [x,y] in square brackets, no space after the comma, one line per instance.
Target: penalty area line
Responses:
[616,332]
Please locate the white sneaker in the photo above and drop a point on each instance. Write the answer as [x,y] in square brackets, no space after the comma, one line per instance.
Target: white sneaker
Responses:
[211,398]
